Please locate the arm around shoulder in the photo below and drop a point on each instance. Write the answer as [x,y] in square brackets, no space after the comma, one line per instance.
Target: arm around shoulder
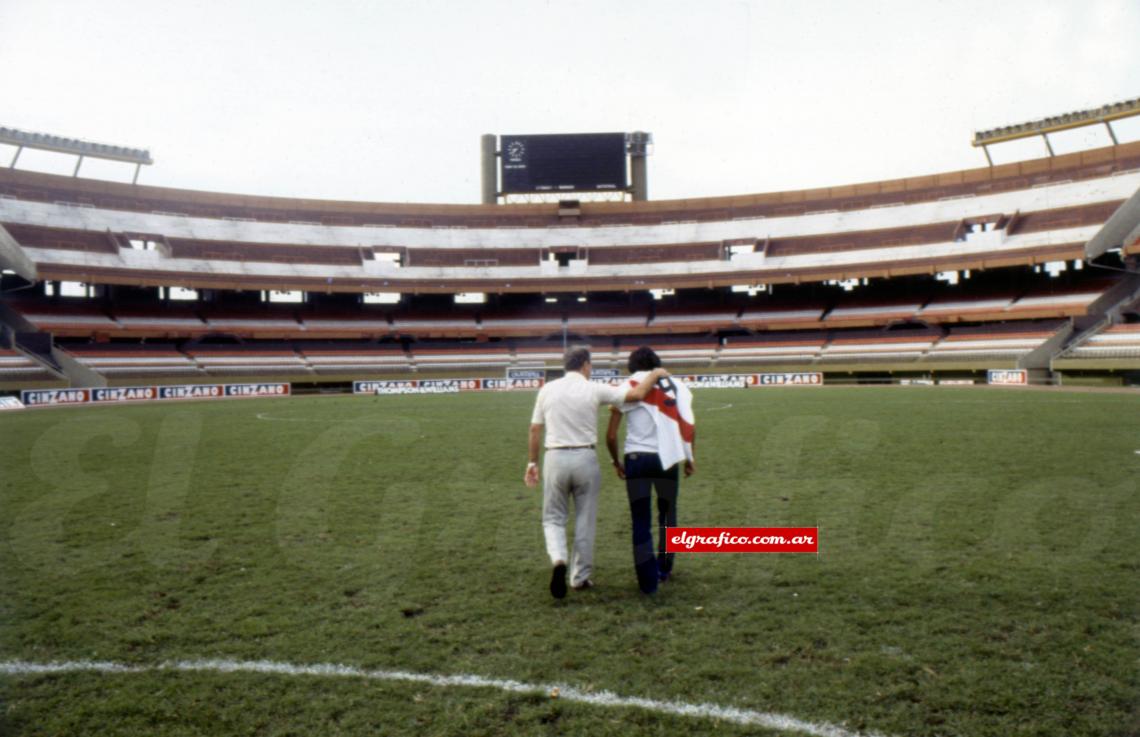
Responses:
[641,391]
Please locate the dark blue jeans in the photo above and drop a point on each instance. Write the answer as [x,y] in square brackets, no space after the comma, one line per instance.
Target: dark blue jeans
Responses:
[643,473]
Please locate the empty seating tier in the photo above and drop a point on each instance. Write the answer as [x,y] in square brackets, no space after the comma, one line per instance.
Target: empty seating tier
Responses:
[61,228]
[17,368]
[1114,342]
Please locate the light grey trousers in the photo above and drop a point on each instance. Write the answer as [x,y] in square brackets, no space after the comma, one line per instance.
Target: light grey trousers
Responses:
[571,474]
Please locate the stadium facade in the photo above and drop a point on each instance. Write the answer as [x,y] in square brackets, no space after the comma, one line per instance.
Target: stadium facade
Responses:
[1031,265]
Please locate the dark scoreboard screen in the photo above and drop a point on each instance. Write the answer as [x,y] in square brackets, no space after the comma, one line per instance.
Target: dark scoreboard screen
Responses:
[578,162]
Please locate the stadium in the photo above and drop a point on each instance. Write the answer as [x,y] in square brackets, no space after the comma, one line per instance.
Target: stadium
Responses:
[264,454]
[932,278]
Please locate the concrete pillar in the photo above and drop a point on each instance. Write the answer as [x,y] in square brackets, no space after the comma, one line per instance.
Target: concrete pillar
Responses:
[490,167]
[638,144]
[638,177]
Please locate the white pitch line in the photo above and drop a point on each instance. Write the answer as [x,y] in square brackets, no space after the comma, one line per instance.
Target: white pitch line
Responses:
[714,409]
[322,420]
[265,416]
[747,717]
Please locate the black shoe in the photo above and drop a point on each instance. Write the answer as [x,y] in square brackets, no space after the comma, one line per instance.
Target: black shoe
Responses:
[558,581]
[585,585]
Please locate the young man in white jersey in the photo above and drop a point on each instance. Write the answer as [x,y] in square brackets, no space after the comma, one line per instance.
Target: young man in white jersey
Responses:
[568,410]
[664,418]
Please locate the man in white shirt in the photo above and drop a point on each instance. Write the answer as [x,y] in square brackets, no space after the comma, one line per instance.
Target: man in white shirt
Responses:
[568,409]
[659,437]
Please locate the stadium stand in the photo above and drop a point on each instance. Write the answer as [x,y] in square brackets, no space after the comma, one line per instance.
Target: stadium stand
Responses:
[800,348]
[855,347]
[837,279]
[917,346]
[15,367]
[34,187]
[543,354]
[624,322]
[346,325]
[172,322]
[338,358]
[243,360]
[1007,341]
[781,318]
[1118,341]
[1114,342]
[438,326]
[981,308]
[985,218]
[252,323]
[131,361]
[1064,303]
[477,356]
[682,320]
[687,351]
[873,313]
[68,319]
[522,324]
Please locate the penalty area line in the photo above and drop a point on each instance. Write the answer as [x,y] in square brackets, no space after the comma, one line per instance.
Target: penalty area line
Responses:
[747,717]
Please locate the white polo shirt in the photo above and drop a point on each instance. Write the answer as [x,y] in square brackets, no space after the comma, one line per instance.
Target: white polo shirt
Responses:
[568,407]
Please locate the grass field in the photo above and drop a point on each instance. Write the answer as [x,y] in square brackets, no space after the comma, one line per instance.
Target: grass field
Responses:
[978,576]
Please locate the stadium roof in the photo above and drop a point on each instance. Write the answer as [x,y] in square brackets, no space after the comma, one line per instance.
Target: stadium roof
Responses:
[1103,114]
[59,144]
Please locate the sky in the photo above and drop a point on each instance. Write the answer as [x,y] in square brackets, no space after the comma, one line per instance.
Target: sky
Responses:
[386,101]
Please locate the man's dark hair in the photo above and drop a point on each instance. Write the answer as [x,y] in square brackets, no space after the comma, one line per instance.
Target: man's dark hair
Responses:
[576,358]
[643,359]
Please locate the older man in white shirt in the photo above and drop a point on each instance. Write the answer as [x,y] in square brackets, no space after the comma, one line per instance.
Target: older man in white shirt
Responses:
[568,409]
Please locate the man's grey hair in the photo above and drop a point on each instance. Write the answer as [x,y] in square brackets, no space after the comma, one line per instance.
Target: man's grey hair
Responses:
[576,358]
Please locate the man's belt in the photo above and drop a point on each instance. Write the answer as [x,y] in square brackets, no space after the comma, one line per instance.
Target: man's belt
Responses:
[573,447]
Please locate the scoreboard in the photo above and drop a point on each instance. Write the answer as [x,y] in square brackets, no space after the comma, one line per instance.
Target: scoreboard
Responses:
[577,162]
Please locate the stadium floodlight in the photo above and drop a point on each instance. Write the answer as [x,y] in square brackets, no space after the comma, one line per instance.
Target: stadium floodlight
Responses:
[74,146]
[1104,114]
